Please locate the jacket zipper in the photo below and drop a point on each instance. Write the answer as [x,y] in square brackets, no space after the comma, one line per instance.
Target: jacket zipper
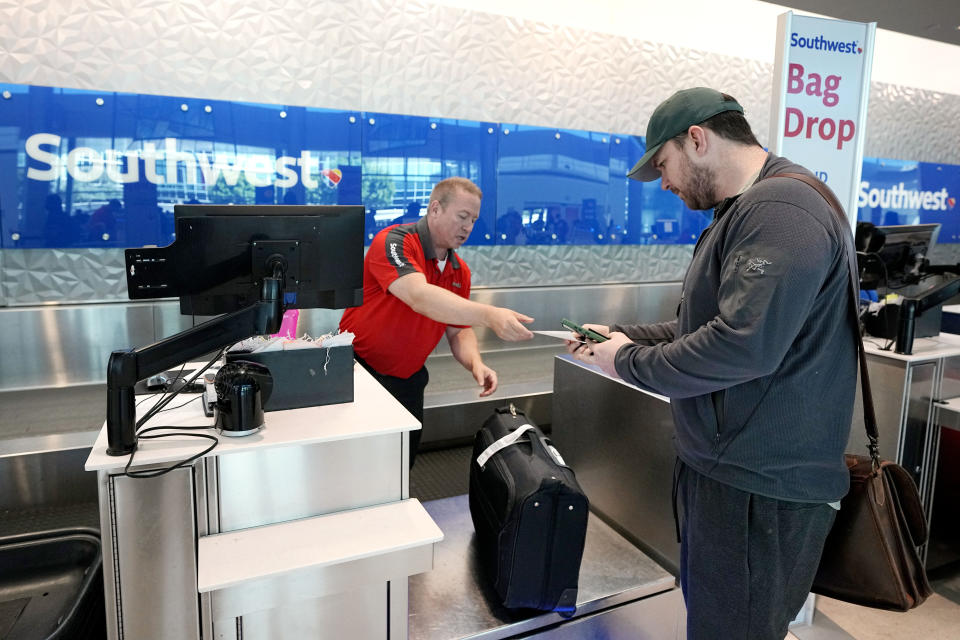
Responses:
[718,400]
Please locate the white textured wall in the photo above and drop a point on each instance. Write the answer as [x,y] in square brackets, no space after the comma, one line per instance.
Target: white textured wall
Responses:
[734,28]
[601,65]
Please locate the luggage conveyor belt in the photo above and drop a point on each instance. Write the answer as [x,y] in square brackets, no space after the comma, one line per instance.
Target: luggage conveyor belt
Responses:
[622,592]
[53,411]
[453,410]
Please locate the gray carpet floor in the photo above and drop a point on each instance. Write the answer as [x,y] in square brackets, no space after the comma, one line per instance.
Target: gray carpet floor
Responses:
[441,474]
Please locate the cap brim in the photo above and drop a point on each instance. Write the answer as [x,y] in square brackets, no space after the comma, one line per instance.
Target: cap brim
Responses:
[643,170]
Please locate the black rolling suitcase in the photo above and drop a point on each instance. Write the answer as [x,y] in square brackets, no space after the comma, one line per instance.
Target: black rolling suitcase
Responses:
[529,514]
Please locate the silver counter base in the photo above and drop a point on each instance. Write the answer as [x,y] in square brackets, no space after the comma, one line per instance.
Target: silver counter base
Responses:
[623,593]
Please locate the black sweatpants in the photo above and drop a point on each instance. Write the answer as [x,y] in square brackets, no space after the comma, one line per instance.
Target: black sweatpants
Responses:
[746,561]
[409,393]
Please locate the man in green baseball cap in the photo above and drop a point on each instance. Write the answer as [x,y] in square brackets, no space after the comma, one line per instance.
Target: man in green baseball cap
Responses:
[673,117]
[760,367]
[723,156]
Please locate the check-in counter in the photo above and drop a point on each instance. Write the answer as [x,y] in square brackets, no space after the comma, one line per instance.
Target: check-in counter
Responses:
[619,439]
[916,396]
[304,529]
[912,397]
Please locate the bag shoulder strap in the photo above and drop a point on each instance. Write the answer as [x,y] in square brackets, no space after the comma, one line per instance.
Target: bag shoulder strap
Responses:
[869,416]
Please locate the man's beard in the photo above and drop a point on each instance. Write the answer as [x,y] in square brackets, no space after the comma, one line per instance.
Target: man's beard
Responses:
[701,188]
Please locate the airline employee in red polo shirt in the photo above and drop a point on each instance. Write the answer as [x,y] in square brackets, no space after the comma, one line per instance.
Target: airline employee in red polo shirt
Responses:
[415,290]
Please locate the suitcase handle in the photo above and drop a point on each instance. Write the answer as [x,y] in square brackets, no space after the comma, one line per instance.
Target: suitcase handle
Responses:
[548,450]
[502,443]
[511,409]
[552,451]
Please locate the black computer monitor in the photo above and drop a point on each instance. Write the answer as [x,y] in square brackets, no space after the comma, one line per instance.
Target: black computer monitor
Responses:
[900,259]
[222,252]
[244,264]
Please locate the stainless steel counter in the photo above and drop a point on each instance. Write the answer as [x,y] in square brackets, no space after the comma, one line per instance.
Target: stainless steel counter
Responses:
[620,441]
[454,601]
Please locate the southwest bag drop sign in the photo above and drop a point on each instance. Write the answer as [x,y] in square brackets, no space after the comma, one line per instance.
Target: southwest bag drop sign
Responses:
[821,87]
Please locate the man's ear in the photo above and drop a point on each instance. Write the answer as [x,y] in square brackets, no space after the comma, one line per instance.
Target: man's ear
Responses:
[698,135]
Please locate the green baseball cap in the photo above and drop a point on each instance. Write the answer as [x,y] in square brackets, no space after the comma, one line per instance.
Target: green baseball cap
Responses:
[675,115]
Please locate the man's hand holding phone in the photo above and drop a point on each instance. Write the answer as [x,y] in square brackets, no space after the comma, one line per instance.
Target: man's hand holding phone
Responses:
[594,332]
[599,352]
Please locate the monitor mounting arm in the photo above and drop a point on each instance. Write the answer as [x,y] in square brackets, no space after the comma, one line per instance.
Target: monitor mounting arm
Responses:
[126,367]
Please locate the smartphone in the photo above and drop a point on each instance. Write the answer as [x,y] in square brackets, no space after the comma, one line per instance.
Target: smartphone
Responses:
[590,334]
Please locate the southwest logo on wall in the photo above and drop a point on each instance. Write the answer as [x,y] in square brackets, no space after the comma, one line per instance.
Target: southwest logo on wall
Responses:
[86,164]
[899,192]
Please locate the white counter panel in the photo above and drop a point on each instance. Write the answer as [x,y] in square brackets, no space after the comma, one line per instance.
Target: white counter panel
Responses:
[230,559]
[285,483]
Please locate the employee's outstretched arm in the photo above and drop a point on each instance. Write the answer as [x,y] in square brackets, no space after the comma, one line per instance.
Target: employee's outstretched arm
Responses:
[444,306]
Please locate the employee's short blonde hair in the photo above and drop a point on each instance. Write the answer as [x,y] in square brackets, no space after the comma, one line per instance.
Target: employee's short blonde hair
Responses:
[445,189]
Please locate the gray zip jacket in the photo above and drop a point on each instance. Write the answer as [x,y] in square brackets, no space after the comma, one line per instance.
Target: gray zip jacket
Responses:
[761,363]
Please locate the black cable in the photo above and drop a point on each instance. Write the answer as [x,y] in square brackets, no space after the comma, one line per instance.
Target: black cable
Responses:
[193,399]
[878,346]
[165,399]
[154,473]
[163,402]
[876,256]
[159,407]
[166,388]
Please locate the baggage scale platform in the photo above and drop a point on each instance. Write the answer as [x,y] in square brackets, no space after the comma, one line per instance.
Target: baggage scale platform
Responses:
[622,592]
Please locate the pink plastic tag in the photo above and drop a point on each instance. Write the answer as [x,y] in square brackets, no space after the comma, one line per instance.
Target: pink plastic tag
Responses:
[288,326]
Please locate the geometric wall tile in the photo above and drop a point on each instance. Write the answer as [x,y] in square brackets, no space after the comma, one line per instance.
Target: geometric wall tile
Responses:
[414,58]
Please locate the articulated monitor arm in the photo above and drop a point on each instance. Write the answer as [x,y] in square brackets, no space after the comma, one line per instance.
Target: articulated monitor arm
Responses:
[126,367]
[912,308]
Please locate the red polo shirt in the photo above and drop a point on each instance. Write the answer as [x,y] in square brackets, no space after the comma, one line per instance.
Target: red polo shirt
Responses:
[393,338]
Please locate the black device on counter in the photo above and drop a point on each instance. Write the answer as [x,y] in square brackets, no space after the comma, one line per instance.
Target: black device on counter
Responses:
[890,258]
[894,256]
[247,262]
[242,390]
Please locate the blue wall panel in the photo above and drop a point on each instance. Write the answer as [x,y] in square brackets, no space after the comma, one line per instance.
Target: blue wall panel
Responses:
[903,192]
[100,169]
